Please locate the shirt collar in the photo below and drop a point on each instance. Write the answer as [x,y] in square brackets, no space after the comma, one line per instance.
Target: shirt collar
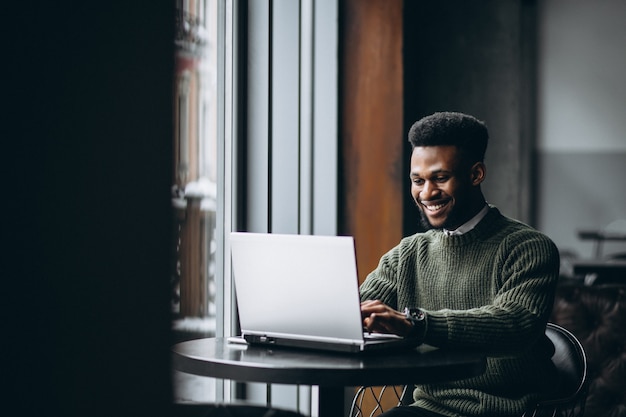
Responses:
[469,225]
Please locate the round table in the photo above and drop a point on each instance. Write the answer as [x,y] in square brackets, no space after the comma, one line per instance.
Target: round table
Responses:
[218,358]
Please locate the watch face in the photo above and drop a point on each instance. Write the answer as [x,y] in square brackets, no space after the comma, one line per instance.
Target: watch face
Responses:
[418,322]
[416,314]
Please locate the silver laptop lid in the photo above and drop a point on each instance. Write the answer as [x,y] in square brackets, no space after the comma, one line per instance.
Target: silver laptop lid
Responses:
[297,286]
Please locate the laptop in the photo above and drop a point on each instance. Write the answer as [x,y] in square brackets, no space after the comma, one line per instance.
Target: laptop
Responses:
[302,291]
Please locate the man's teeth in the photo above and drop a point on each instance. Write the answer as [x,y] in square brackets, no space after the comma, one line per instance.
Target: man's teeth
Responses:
[434,208]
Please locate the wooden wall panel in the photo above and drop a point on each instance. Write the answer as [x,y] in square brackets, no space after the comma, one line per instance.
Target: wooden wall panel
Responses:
[372,134]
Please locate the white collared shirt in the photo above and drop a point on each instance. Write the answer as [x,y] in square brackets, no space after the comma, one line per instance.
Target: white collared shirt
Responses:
[469,225]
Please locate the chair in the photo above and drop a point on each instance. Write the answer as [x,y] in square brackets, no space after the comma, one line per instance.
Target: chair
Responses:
[571,362]
[377,399]
[569,358]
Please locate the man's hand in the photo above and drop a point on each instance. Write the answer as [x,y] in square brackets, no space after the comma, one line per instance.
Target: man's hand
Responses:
[380,318]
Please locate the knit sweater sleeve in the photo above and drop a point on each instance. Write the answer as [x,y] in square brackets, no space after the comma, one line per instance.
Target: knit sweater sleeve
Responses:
[523,287]
[381,284]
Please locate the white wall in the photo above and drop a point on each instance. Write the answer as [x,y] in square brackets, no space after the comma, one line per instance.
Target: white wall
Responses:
[581,119]
[582,76]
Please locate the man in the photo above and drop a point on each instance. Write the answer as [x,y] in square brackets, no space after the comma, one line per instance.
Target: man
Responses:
[475,279]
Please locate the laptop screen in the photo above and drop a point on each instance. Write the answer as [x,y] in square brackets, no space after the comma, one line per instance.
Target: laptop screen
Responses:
[299,285]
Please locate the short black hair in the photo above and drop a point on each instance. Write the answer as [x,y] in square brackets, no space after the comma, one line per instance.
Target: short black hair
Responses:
[466,132]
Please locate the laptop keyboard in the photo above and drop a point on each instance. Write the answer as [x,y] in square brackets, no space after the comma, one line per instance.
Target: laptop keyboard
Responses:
[379,336]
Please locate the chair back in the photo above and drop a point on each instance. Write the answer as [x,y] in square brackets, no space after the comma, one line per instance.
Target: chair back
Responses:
[571,364]
[372,401]
[569,400]
[569,359]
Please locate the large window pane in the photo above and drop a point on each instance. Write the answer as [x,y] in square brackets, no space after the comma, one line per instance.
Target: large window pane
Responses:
[194,190]
[195,183]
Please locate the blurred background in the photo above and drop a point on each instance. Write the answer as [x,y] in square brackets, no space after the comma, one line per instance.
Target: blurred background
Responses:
[133,141]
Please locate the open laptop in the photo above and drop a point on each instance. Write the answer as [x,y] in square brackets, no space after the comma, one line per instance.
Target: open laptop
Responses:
[301,291]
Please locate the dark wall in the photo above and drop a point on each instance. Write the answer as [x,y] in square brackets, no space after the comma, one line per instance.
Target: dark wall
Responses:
[476,58]
[87,164]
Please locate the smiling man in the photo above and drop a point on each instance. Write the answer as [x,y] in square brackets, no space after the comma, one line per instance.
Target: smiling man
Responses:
[475,279]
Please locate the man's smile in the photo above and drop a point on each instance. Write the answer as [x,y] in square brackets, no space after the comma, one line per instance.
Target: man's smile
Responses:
[434,207]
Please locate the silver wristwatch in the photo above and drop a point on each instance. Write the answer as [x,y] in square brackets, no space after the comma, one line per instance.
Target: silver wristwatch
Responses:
[418,319]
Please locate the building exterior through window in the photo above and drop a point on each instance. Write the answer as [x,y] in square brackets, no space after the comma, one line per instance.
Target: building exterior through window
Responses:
[194,178]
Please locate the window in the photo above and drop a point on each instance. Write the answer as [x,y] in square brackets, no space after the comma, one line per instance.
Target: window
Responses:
[195,176]
[198,200]
[287,148]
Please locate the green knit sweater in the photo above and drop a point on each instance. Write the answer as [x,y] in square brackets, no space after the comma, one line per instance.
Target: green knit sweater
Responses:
[491,289]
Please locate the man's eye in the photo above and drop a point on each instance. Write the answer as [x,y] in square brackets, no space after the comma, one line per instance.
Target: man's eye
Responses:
[418,181]
[441,179]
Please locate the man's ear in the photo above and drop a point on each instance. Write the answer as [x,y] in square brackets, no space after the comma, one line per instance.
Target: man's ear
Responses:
[478,172]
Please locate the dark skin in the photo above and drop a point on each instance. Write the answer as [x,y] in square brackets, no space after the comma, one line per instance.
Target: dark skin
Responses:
[447,192]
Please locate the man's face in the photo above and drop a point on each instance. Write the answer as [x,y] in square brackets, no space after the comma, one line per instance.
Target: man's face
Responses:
[443,187]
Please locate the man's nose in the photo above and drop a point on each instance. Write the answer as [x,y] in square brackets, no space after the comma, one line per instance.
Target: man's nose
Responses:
[428,190]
